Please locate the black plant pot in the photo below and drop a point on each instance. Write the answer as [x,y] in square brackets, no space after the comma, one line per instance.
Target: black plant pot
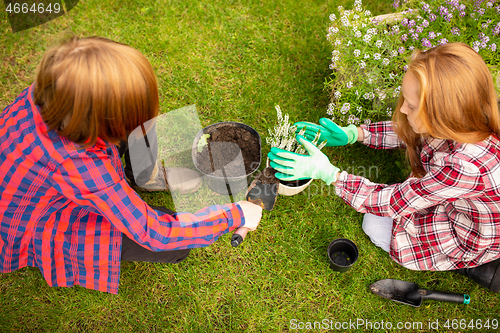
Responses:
[225,178]
[342,254]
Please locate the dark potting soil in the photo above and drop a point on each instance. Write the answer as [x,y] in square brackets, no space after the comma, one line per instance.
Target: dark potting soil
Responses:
[213,157]
[295,183]
[267,176]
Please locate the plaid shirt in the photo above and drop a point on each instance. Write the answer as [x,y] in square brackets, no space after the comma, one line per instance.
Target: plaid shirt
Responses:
[448,219]
[64,210]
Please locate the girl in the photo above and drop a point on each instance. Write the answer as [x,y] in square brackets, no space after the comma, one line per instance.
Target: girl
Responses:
[446,215]
[65,205]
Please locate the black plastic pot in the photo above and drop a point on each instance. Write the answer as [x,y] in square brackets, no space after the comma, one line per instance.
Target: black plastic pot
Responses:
[342,254]
[219,181]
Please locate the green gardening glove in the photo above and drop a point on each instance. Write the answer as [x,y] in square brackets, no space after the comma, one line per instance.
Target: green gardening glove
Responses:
[333,134]
[292,166]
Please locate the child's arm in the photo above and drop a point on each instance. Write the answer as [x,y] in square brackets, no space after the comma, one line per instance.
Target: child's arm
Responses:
[93,182]
[380,135]
[450,179]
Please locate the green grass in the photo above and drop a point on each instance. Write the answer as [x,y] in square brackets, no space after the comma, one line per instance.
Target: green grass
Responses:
[235,60]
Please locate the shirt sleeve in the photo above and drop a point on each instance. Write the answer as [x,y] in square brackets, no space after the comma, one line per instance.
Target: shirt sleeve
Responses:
[91,181]
[381,135]
[450,178]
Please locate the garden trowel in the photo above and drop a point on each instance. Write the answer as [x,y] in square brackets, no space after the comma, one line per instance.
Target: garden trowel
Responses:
[411,294]
[263,192]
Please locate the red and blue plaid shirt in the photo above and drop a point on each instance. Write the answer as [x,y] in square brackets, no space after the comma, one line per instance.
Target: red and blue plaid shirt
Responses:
[446,220]
[64,209]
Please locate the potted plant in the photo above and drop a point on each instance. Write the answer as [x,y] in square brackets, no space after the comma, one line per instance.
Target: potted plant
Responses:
[227,154]
[283,137]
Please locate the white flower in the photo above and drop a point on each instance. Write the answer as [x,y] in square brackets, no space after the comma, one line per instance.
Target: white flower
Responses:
[337,42]
[349,43]
[349,84]
[345,108]
[385,62]
[367,38]
[357,52]
[377,56]
[493,47]
[368,121]
[337,95]
[372,31]
[356,17]
[357,34]
[362,64]
[359,109]
[357,93]
[367,56]
[379,43]
[333,17]
[394,53]
[330,109]
[368,13]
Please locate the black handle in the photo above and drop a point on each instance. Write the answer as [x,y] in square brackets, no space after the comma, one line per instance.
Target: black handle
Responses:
[238,236]
[444,297]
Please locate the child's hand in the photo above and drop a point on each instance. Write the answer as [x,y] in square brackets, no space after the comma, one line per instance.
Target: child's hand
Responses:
[333,134]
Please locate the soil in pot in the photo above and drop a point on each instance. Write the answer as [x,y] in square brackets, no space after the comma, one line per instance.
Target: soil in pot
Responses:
[295,183]
[267,176]
[210,160]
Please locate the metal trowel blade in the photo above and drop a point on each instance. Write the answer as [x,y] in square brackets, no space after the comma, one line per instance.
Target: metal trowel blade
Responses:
[263,195]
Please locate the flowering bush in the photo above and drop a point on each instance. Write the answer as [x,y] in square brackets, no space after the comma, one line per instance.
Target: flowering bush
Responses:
[284,135]
[370,54]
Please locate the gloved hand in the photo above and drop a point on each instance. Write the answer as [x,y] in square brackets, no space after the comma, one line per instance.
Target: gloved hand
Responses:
[333,134]
[292,166]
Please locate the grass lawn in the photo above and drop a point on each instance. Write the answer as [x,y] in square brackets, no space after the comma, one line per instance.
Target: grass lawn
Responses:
[235,60]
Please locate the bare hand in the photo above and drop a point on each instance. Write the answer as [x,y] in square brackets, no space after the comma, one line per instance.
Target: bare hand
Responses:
[252,214]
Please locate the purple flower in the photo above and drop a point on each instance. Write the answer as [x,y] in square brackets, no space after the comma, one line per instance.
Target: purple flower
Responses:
[426,7]
[496,29]
[414,36]
[396,4]
[493,47]
[426,42]
[404,37]
[455,31]
[405,68]
[425,23]
[404,22]
[432,17]
[432,35]
[462,14]
[401,50]
[443,41]
[411,23]
[419,29]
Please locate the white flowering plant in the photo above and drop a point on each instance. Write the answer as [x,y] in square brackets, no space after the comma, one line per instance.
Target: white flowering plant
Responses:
[371,54]
[283,136]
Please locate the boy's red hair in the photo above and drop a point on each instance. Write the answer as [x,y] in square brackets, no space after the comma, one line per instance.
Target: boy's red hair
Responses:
[93,87]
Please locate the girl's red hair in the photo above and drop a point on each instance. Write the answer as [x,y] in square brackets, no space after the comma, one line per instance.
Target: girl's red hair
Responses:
[457,99]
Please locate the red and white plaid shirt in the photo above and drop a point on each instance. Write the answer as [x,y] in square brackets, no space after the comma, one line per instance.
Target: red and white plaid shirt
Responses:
[64,209]
[446,220]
